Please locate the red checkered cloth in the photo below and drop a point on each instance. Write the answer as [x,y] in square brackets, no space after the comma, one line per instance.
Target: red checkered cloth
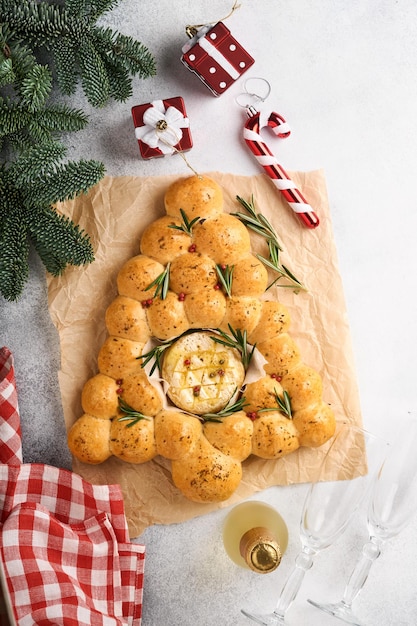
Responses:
[10,434]
[65,548]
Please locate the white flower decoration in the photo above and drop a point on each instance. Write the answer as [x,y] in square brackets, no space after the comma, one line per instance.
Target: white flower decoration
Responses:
[162,127]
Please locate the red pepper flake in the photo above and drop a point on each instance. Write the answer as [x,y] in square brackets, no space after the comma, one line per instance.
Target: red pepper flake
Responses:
[252,416]
[192,248]
[276,377]
[181,296]
[196,390]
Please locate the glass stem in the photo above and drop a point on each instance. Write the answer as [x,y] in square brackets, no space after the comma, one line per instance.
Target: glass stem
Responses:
[370,552]
[289,592]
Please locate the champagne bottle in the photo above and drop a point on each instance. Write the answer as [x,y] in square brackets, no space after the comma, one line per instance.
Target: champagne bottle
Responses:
[255,536]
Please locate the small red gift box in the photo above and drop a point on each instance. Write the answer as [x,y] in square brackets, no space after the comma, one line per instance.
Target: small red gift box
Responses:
[216,57]
[162,127]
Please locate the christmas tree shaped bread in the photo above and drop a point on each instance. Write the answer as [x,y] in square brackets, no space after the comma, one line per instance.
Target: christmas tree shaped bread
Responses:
[190,307]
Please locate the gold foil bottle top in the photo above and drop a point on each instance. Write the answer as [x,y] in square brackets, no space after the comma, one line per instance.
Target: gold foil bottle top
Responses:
[260,550]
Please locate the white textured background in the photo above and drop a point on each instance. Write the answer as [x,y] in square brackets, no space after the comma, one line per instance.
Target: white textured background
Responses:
[344,75]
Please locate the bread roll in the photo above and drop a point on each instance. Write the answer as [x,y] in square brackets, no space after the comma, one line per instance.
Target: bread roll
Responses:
[274,436]
[273,320]
[223,238]
[118,357]
[192,272]
[281,352]
[162,242]
[232,435]
[126,317]
[89,439]
[250,277]
[99,396]
[140,394]
[206,474]
[166,318]
[133,443]
[197,196]
[242,313]
[176,433]
[136,275]
[315,425]
[205,308]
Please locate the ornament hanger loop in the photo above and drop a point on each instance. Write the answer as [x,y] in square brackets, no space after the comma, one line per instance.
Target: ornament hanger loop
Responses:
[261,88]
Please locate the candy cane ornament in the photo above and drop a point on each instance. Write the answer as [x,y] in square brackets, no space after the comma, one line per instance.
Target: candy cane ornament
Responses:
[276,172]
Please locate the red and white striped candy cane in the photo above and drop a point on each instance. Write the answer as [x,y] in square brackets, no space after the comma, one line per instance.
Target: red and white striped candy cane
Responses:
[276,172]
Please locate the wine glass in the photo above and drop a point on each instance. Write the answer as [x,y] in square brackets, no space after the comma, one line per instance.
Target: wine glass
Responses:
[393,502]
[349,466]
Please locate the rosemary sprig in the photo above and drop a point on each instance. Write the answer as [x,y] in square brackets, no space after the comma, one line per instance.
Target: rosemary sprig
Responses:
[186,225]
[283,404]
[225,274]
[262,226]
[155,355]
[237,340]
[130,414]
[229,409]
[161,283]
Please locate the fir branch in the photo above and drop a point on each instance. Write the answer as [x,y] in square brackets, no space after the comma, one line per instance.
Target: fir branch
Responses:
[58,241]
[129,414]
[260,224]
[14,253]
[36,87]
[94,78]
[238,341]
[65,182]
[36,161]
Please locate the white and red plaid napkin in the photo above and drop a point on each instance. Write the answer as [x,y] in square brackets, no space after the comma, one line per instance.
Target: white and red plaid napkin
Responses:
[64,543]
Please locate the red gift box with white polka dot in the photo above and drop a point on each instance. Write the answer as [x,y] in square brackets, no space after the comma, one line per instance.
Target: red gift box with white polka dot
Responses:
[216,57]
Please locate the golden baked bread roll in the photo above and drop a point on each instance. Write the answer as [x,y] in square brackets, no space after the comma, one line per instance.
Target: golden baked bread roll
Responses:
[89,439]
[99,397]
[250,277]
[167,318]
[135,442]
[162,242]
[191,272]
[205,308]
[126,318]
[223,238]
[176,433]
[232,435]
[206,474]
[136,275]
[184,308]
[274,436]
[197,196]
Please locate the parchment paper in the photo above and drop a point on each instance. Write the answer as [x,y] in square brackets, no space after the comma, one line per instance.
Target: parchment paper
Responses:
[114,213]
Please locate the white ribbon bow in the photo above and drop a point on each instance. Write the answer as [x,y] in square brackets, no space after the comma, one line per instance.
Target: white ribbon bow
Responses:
[162,127]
